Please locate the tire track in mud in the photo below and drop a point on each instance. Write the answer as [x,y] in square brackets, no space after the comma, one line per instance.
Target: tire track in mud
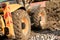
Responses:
[45,35]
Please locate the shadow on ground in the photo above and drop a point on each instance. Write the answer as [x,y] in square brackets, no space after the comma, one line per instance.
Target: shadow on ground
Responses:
[45,31]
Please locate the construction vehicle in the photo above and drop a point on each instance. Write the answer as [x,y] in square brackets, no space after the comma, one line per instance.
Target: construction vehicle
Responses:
[15,18]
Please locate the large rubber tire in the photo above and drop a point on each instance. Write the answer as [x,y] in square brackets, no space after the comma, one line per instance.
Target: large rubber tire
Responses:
[39,18]
[22,25]
[36,12]
[33,13]
[35,17]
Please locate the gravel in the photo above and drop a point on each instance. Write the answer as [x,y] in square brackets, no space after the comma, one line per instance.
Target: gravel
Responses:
[45,35]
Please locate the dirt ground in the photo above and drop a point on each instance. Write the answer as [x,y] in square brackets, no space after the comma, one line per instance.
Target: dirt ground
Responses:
[45,35]
[41,35]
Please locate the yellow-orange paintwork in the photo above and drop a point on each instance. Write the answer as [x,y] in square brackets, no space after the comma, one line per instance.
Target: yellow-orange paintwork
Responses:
[8,17]
[2,23]
[13,7]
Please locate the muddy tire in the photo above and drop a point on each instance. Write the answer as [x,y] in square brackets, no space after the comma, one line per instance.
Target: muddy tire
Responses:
[39,18]
[22,25]
[36,19]
[34,12]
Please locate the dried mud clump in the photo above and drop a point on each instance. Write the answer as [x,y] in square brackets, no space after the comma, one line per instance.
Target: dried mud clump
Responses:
[53,14]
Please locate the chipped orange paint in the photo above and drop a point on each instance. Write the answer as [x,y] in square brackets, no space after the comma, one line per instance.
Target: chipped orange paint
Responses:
[2,24]
[42,14]
[7,14]
[8,20]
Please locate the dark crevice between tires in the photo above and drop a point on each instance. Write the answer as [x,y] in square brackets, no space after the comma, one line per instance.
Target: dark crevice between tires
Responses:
[3,37]
[23,25]
[45,31]
[35,29]
[38,29]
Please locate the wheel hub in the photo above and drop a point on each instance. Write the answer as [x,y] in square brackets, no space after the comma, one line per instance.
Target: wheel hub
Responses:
[23,25]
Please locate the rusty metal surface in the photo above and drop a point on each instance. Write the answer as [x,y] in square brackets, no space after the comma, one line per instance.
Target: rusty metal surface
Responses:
[42,4]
